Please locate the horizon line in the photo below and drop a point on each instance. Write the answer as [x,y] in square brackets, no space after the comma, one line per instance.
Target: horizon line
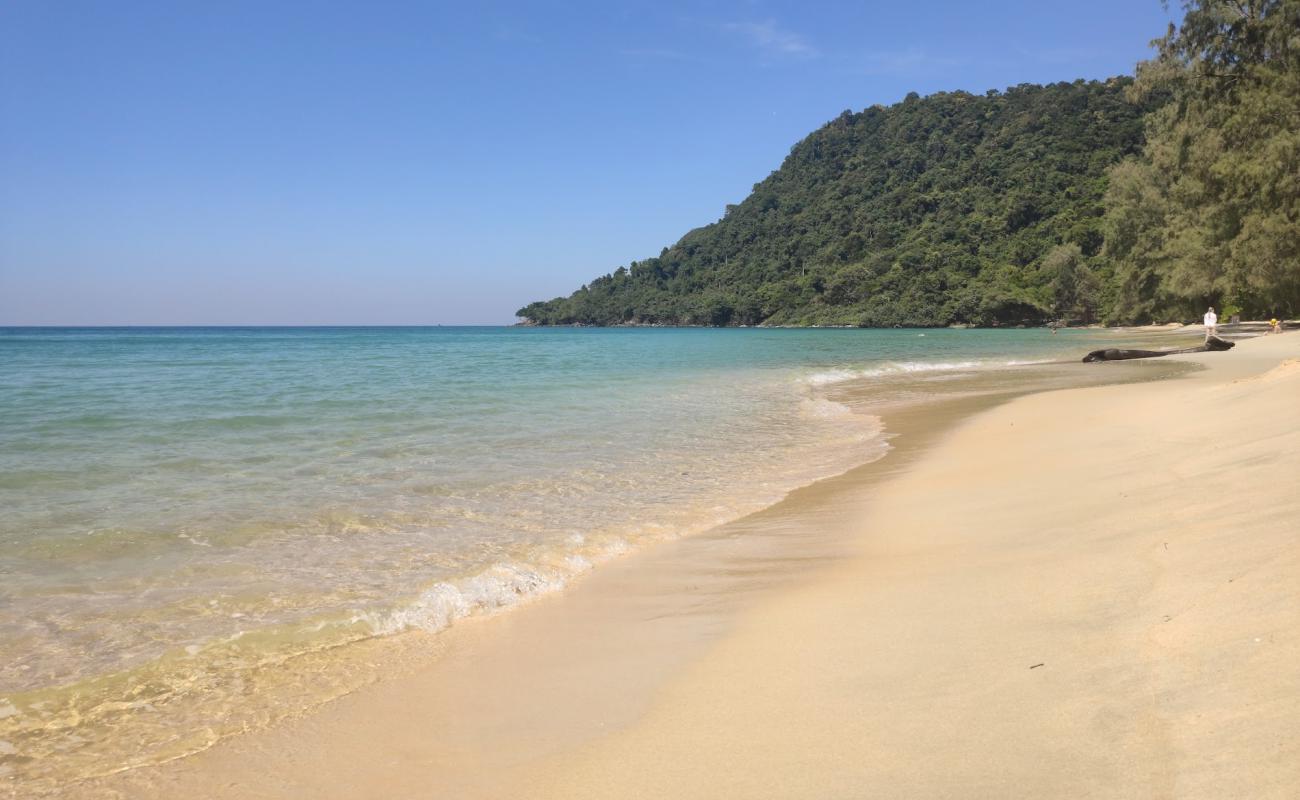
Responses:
[264,325]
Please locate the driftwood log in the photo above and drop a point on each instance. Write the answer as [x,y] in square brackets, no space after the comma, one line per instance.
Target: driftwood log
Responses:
[1213,343]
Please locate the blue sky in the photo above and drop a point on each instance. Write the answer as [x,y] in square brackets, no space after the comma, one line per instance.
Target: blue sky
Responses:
[412,163]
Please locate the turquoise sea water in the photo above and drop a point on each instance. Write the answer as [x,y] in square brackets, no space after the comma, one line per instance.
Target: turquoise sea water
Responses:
[182,505]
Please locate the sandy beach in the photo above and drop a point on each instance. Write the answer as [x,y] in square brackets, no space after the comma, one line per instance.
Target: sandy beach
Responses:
[463,401]
[1080,593]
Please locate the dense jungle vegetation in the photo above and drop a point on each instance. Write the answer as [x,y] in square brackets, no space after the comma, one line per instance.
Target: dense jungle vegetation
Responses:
[1130,200]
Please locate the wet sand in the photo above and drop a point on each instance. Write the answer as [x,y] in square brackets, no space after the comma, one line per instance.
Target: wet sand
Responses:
[880,633]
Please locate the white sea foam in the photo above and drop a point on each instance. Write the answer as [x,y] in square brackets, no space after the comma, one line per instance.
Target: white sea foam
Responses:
[841,375]
[821,408]
[832,376]
[498,587]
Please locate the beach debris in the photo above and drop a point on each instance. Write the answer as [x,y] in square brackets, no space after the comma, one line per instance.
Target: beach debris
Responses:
[1036,666]
[1212,344]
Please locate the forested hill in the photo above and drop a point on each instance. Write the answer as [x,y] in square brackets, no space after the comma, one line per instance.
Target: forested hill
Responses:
[952,208]
[1133,200]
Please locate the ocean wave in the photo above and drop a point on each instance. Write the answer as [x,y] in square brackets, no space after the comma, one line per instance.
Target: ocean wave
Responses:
[512,583]
[500,586]
[841,375]
[77,728]
[861,426]
[821,408]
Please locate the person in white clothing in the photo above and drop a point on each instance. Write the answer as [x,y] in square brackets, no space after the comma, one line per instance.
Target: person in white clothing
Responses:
[1211,323]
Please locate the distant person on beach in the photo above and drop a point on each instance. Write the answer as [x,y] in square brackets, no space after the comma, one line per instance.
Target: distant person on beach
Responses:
[1211,323]
[1274,325]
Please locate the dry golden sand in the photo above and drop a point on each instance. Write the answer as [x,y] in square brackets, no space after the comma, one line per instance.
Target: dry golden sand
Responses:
[1083,593]
[1141,543]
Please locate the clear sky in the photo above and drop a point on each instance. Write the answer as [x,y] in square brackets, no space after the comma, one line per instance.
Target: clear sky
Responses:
[440,162]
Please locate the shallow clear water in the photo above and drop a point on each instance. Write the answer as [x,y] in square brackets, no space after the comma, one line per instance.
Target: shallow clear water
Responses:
[180,506]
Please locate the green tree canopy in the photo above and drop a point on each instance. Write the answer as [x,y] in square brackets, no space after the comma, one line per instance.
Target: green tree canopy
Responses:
[1127,199]
[932,211]
[1210,212]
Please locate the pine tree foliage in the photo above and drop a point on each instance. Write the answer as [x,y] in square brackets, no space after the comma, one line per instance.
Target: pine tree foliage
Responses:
[1210,211]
